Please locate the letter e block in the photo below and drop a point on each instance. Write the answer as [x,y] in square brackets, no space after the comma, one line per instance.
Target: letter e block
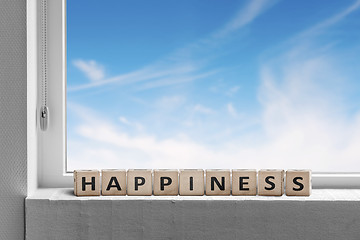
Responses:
[113,182]
[87,183]
[191,182]
[218,182]
[166,182]
[139,182]
[298,182]
[271,182]
[244,182]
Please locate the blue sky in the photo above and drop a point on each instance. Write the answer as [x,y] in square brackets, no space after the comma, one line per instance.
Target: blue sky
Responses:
[203,84]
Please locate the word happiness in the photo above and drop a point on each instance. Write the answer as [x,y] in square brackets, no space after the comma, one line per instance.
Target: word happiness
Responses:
[192,182]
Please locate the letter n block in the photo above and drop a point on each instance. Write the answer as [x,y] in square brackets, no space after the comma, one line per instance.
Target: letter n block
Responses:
[113,182]
[87,183]
[217,182]
[271,182]
[166,182]
[298,183]
[244,182]
[191,182]
[139,182]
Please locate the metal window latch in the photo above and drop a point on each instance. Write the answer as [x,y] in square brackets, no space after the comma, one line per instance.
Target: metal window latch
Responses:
[44,118]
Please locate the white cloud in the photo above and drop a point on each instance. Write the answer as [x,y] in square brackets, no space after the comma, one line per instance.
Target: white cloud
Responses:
[93,70]
[170,102]
[233,90]
[231,110]
[136,125]
[202,109]
[302,125]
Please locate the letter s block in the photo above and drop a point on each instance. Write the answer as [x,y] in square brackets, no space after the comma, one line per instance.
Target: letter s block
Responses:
[139,182]
[298,182]
[166,182]
[271,182]
[87,183]
[113,182]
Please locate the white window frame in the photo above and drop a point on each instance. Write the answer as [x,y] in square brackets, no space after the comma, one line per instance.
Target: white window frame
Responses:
[49,147]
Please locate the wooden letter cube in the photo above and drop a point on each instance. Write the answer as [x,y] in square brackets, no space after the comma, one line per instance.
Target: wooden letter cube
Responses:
[87,183]
[217,182]
[139,182]
[191,182]
[244,182]
[298,183]
[113,182]
[271,182]
[166,182]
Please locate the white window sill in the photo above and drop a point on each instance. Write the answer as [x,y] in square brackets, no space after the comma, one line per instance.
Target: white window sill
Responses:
[63,194]
[326,214]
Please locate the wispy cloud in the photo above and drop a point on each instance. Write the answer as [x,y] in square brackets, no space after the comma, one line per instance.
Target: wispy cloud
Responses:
[231,110]
[156,75]
[93,70]
[245,15]
[318,28]
[202,109]
[136,125]
[233,90]
[168,71]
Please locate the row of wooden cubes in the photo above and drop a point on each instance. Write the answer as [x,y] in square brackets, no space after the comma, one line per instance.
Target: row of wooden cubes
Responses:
[188,182]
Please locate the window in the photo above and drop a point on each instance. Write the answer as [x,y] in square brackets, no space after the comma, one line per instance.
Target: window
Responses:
[204,85]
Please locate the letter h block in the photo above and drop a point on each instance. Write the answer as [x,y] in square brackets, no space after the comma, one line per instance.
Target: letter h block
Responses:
[87,183]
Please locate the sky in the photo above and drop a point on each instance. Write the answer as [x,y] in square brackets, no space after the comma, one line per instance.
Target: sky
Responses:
[213,84]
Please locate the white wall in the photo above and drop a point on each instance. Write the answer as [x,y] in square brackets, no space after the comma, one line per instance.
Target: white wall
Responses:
[13,176]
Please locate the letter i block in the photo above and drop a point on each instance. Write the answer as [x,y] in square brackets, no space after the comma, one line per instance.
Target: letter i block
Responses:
[87,183]
[191,182]
[298,182]
[218,182]
[166,182]
[139,182]
[113,182]
[244,182]
[271,182]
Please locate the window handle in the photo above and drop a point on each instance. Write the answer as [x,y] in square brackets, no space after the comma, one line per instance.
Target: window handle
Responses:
[44,118]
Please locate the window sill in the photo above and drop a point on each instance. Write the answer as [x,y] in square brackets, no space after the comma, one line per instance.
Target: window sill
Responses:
[326,214]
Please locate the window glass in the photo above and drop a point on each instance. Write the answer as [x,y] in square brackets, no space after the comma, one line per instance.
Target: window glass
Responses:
[213,84]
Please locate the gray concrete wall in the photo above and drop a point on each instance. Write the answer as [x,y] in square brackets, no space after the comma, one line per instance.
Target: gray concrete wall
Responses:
[13,111]
[327,214]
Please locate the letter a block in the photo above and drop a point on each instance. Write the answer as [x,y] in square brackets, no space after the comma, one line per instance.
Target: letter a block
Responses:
[191,182]
[166,182]
[139,182]
[244,182]
[113,182]
[217,182]
[87,183]
[298,182]
[271,182]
